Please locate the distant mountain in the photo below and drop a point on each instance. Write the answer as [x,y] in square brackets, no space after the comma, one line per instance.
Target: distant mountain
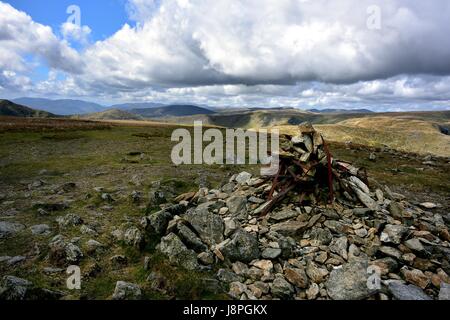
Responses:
[139,105]
[62,107]
[171,111]
[341,111]
[9,108]
[110,114]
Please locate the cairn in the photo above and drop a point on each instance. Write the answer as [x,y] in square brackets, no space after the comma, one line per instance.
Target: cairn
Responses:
[316,230]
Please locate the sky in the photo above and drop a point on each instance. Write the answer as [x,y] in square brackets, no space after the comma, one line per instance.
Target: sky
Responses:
[383,55]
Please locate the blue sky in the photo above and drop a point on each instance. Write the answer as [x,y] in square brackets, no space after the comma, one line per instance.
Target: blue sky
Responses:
[254,53]
[104,17]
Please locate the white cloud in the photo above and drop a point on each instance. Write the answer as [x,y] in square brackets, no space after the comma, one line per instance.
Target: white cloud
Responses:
[186,43]
[74,32]
[249,52]
[21,36]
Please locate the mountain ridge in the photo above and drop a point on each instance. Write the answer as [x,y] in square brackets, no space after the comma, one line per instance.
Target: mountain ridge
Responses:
[11,109]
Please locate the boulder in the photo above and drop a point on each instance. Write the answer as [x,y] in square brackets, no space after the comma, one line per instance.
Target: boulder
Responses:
[243,177]
[14,288]
[209,226]
[9,229]
[349,282]
[237,206]
[40,229]
[280,288]
[127,291]
[63,253]
[402,291]
[393,233]
[177,252]
[157,222]
[133,237]
[69,220]
[242,247]
[444,292]
[190,239]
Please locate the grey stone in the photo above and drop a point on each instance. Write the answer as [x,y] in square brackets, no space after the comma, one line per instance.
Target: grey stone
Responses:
[190,239]
[231,225]
[157,222]
[242,247]
[16,260]
[9,229]
[366,199]
[208,225]
[362,212]
[391,252]
[40,229]
[320,236]
[237,206]
[73,253]
[63,253]
[271,253]
[177,252]
[14,288]
[415,245]
[444,292]
[349,282]
[280,288]
[402,291]
[155,199]
[133,237]
[69,220]
[227,276]
[289,228]
[339,246]
[283,215]
[243,177]
[127,291]
[393,233]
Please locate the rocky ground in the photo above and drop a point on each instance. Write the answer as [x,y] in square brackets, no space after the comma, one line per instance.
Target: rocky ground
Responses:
[107,201]
[309,252]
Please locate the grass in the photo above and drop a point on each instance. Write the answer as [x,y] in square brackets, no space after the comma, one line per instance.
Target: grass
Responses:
[93,156]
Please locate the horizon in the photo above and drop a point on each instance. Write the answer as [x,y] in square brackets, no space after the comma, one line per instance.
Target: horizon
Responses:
[115,106]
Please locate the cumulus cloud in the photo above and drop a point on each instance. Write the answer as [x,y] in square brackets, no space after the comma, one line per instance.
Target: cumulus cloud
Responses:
[191,43]
[299,53]
[21,36]
[74,32]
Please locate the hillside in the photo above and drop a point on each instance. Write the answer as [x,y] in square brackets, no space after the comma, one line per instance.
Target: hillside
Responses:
[401,132]
[111,114]
[62,107]
[340,110]
[11,109]
[139,105]
[171,111]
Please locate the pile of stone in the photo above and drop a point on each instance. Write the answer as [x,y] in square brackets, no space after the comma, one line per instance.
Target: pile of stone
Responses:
[366,244]
[307,167]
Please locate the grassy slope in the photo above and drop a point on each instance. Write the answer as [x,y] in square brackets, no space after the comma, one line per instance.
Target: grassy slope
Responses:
[8,108]
[94,158]
[100,157]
